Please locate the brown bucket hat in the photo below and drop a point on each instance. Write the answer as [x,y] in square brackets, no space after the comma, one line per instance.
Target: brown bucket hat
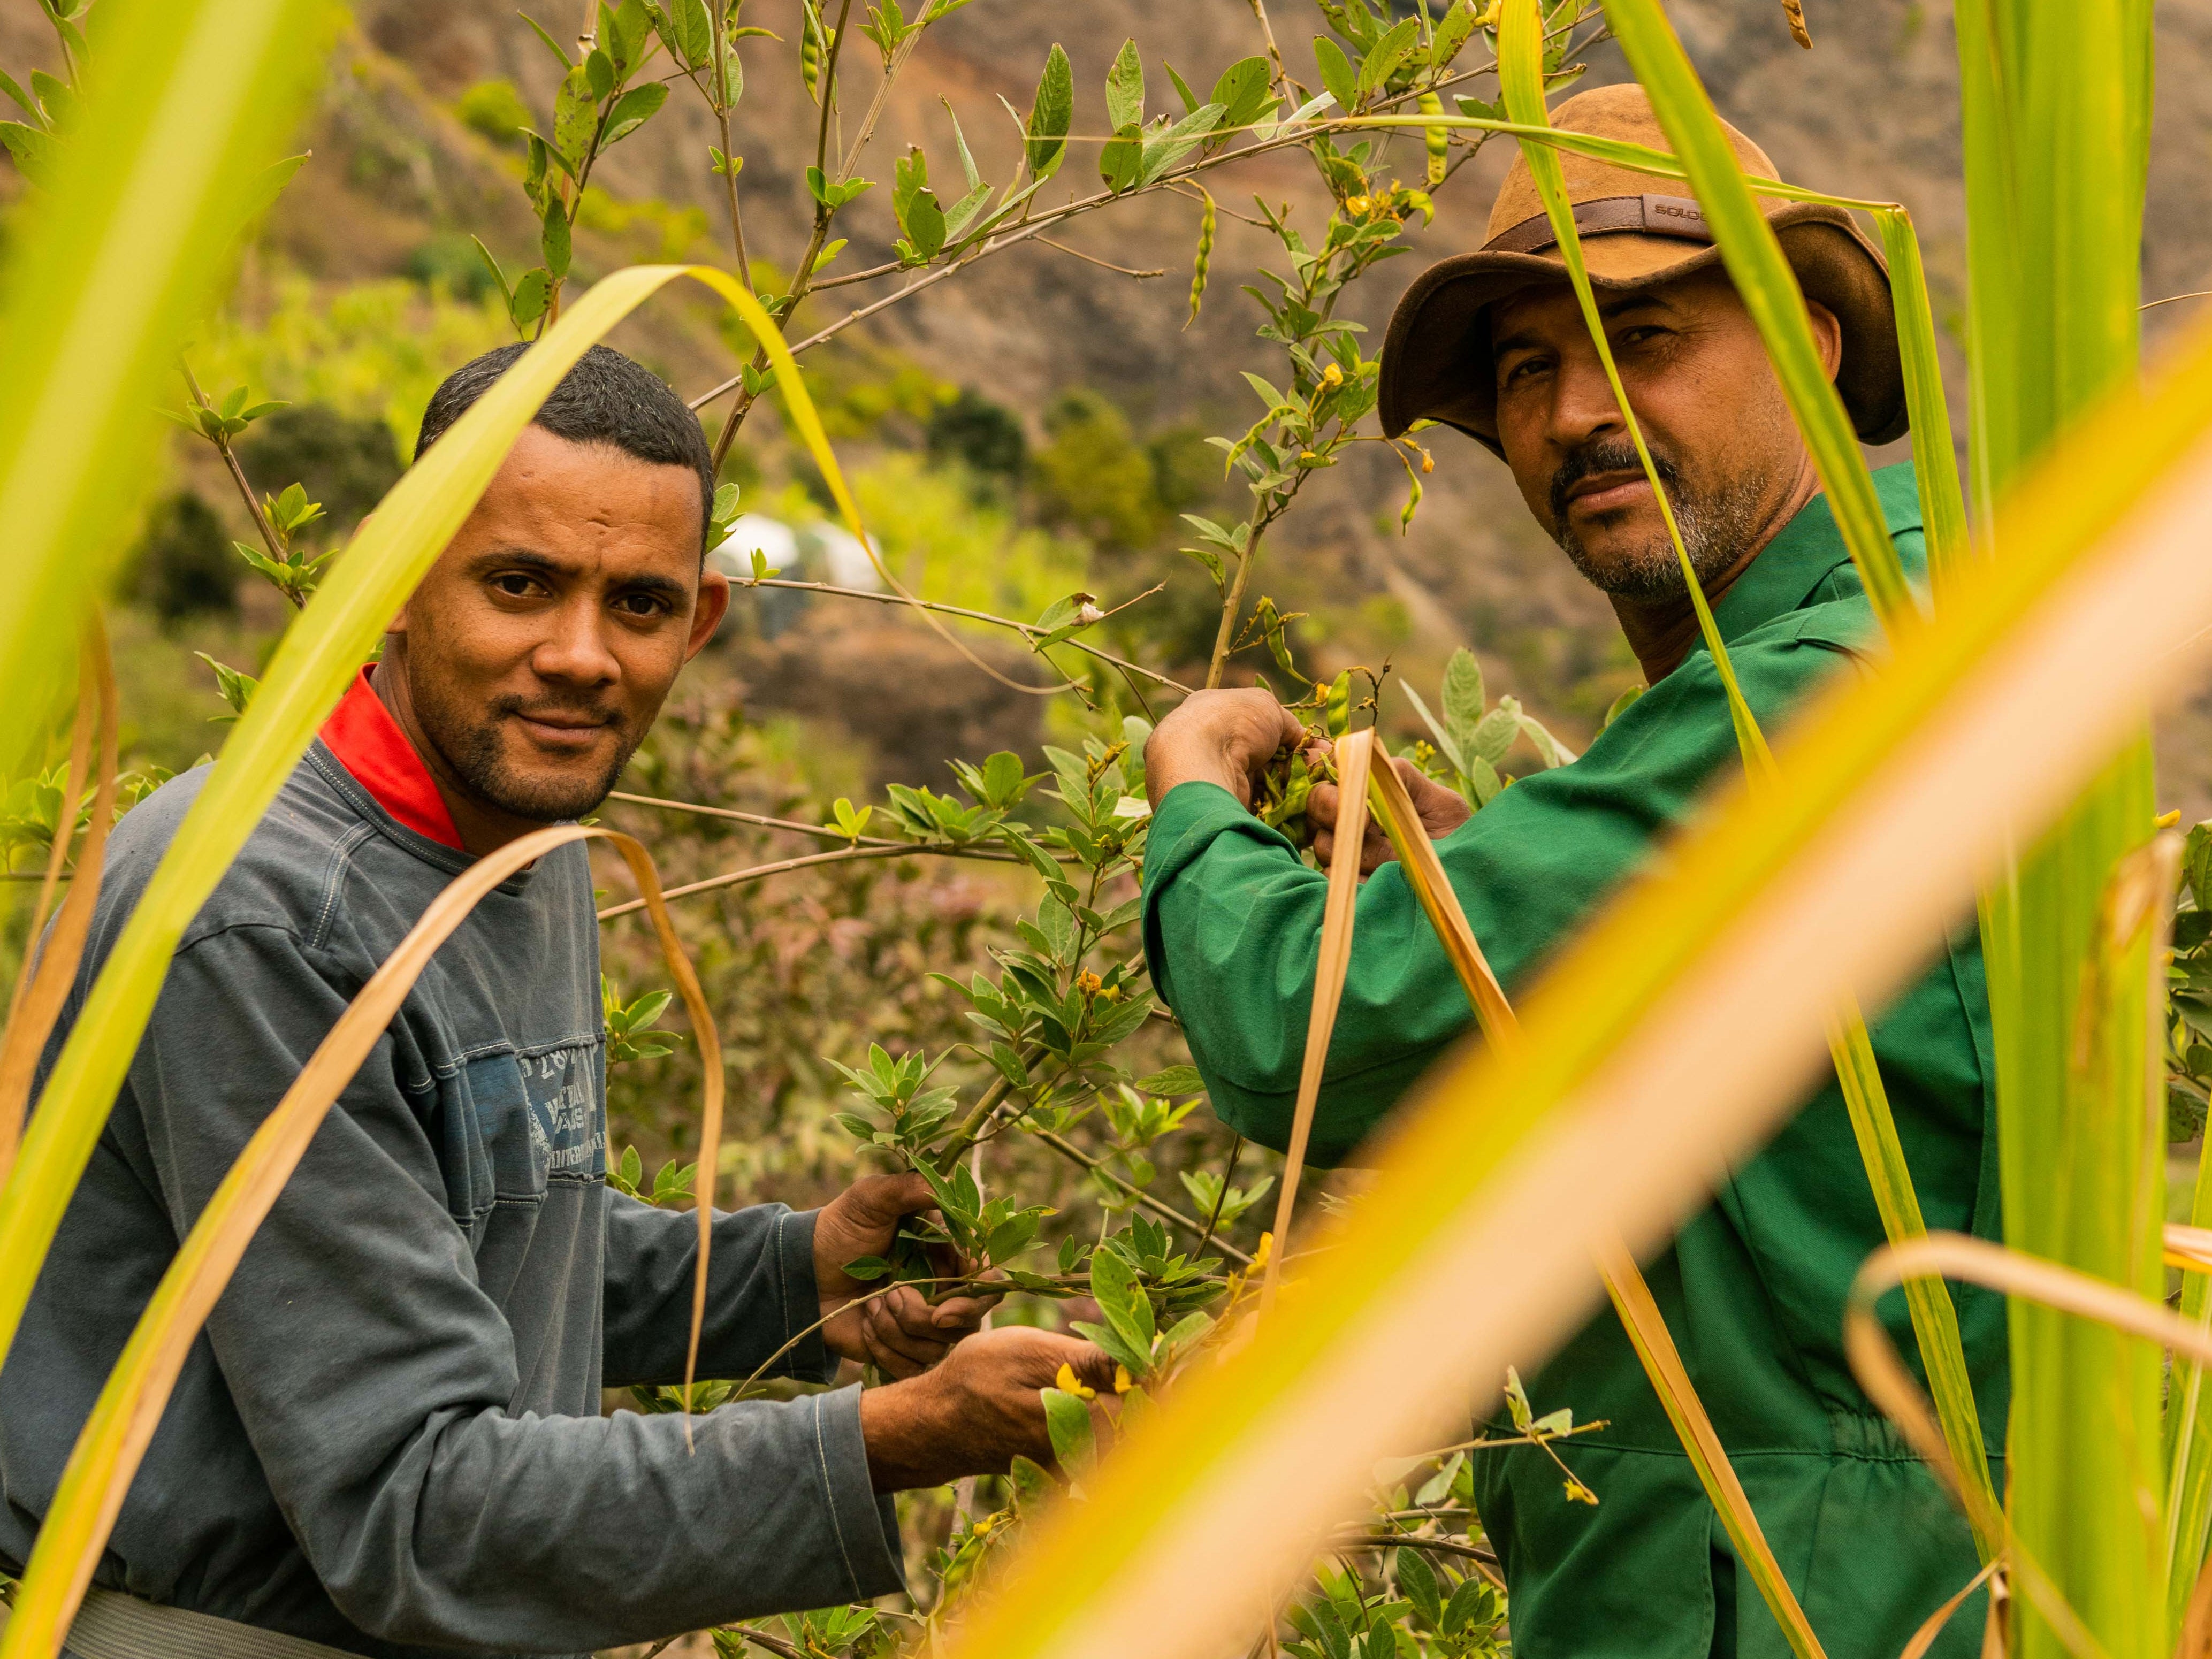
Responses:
[1437,361]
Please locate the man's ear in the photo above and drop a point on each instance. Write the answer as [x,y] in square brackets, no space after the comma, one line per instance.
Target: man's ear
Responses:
[706,615]
[1827,334]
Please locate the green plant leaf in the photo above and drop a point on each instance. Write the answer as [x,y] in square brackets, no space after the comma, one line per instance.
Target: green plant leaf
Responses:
[632,111]
[1125,88]
[1382,60]
[1050,112]
[1068,1421]
[1336,73]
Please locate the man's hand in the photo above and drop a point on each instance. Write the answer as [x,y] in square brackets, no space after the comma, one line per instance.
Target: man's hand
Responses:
[1441,811]
[1219,736]
[898,1330]
[975,1412]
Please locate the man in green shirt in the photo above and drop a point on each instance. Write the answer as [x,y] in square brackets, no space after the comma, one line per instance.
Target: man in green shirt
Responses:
[1752,1288]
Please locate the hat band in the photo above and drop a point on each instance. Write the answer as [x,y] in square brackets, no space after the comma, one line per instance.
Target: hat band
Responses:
[1655,215]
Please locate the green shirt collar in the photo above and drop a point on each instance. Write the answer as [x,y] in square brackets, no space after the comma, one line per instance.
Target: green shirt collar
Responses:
[1809,549]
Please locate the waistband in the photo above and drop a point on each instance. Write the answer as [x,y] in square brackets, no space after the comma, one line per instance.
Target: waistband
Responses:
[110,1625]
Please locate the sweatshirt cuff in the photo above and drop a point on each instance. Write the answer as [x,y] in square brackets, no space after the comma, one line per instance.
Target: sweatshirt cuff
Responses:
[808,1360]
[1188,820]
[865,1521]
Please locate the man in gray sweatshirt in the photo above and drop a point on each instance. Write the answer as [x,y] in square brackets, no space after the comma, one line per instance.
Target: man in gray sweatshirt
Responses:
[388,1440]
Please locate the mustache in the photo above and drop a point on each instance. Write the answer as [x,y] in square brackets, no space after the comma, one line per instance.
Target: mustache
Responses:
[1607,455]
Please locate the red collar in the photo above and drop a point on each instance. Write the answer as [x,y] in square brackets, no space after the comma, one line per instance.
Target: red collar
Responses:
[369,745]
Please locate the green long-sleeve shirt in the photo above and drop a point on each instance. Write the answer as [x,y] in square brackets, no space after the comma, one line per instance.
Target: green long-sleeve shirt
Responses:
[1753,1286]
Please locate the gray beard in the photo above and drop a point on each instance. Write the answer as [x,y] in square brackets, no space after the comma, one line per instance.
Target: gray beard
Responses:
[1714,531]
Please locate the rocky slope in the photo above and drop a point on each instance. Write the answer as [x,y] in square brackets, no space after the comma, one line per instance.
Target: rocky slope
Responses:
[1871,111]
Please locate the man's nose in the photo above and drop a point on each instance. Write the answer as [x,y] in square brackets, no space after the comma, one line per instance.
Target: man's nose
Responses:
[575,648]
[1583,403]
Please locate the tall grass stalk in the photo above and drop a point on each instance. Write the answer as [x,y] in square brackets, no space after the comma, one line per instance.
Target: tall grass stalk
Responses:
[2056,107]
[1897,792]
[1934,1320]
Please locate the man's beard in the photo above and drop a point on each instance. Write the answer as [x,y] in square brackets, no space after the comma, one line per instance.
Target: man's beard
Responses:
[468,740]
[1715,528]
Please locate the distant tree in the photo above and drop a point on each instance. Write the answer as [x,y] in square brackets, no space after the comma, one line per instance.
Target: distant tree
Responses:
[985,436]
[184,567]
[344,461]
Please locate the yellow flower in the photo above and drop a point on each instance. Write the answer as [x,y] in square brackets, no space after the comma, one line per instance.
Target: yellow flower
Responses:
[1069,1382]
[1333,376]
[1260,1256]
[1123,1381]
[1358,205]
[2166,820]
[1087,982]
[1307,458]
[983,1528]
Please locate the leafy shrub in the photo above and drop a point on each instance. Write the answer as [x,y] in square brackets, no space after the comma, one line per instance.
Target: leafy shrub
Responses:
[345,462]
[985,437]
[450,261]
[494,109]
[1095,477]
[183,566]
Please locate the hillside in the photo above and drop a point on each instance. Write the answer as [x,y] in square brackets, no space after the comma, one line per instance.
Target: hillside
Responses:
[1871,111]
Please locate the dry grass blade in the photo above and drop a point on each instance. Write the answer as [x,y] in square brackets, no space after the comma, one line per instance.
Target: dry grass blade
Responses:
[1424,875]
[106,1456]
[1624,1285]
[39,994]
[1647,1330]
[1932,1626]
[1793,12]
[2024,1277]
[1353,756]
[1900,790]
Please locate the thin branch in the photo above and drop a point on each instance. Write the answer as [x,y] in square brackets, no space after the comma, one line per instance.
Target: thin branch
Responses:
[774,1645]
[722,103]
[1029,227]
[844,854]
[1484,1559]
[1221,1197]
[820,832]
[1067,1148]
[1103,264]
[1029,630]
[802,279]
[268,531]
[1274,55]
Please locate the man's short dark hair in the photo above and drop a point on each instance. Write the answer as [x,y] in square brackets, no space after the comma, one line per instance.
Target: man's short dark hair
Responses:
[605,398]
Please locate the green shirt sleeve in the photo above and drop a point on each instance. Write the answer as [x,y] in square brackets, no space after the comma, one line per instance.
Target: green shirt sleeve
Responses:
[1233,917]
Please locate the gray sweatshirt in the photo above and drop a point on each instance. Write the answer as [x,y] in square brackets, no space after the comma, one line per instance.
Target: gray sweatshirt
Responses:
[388,1439]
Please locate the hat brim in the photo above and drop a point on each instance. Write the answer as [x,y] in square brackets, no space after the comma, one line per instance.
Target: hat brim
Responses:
[1436,363]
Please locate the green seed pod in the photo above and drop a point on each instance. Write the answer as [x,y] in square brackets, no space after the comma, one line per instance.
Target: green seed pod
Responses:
[1437,139]
[1204,259]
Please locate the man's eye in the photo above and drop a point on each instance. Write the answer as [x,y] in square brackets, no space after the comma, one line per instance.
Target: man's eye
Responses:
[641,605]
[515,585]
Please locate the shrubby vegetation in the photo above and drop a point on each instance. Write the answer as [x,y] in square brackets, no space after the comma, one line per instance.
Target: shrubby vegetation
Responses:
[949,979]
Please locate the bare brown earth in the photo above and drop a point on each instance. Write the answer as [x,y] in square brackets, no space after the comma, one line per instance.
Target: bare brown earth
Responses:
[1871,111]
